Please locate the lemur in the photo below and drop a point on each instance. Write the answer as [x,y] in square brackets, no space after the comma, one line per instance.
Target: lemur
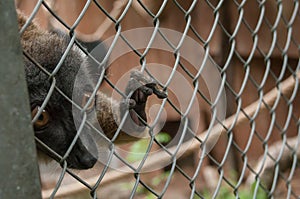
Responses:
[55,126]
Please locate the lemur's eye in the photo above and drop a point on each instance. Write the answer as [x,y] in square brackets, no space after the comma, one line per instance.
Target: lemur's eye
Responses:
[42,120]
[85,99]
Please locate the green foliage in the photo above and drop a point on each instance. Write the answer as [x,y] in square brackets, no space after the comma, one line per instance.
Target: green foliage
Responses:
[137,152]
[261,193]
[163,137]
[139,148]
[160,178]
[150,196]
[142,190]
[226,192]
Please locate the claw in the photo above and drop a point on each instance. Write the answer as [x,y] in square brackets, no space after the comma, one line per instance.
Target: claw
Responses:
[146,90]
[147,82]
[158,92]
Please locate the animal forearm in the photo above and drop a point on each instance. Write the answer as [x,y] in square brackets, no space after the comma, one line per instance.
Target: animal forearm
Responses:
[109,117]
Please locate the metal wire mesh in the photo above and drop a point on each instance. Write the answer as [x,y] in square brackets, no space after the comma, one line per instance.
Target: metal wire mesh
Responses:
[254,46]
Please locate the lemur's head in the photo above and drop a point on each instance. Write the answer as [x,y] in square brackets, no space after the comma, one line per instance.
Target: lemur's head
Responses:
[55,125]
[55,83]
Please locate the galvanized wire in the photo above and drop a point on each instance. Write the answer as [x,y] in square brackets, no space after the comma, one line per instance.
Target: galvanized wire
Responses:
[232,56]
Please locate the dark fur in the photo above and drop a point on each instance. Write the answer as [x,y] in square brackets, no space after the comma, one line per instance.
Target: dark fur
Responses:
[47,48]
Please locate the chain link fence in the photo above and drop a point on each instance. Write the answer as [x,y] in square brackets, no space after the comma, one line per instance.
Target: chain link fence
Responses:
[229,127]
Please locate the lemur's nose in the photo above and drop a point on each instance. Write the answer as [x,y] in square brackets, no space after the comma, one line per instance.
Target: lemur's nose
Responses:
[86,161]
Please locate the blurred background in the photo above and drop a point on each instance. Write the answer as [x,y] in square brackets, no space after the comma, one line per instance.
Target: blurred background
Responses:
[255,47]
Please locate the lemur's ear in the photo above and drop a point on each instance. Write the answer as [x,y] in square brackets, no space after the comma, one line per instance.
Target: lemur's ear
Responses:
[98,51]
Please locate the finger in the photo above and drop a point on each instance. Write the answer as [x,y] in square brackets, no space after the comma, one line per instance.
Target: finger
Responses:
[159,93]
[128,103]
[139,97]
[146,90]
[131,103]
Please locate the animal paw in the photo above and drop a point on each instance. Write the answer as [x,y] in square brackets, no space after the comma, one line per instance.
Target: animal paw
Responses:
[139,88]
